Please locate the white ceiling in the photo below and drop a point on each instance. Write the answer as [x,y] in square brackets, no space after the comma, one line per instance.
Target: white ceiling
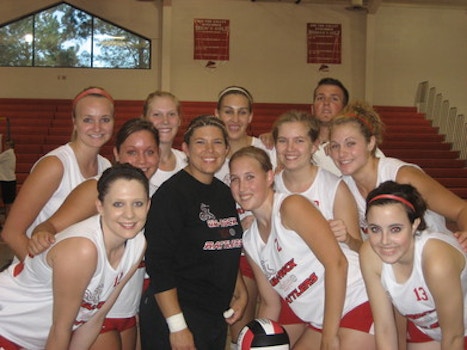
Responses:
[373,5]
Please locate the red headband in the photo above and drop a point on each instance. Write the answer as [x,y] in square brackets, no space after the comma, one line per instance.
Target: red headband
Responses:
[92,91]
[363,120]
[394,197]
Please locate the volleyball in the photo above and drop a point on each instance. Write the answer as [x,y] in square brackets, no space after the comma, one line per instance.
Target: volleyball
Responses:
[262,333]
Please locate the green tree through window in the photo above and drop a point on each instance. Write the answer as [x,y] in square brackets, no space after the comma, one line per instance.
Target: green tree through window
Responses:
[64,36]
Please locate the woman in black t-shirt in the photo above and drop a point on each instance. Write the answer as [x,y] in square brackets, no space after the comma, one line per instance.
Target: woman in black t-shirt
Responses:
[194,242]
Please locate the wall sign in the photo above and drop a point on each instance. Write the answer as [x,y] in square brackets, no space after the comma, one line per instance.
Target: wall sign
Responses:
[324,43]
[211,39]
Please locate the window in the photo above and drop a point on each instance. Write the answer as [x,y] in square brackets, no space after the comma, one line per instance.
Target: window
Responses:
[65,36]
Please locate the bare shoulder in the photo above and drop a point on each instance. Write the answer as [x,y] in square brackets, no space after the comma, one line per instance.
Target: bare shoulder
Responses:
[46,170]
[296,203]
[439,256]
[70,250]
[412,175]
[297,213]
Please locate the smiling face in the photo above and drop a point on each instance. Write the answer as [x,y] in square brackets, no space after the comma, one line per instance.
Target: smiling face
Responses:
[349,149]
[250,184]
[163,113]
[391,234]
[206,152]
[235,112]
[294,146]
[123,210]
[140,150]
[93,121]
[327,103]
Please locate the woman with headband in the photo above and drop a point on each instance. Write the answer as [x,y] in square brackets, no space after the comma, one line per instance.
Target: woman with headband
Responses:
[235,109]
[194,241]
[422,274]
[355,134]
[55,175]
[295,257]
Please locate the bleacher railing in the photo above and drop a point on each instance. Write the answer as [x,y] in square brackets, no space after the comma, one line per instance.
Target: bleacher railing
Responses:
[441,115]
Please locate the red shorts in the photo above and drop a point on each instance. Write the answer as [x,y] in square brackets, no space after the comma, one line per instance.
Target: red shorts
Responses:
[118,324]
[415,335]
[287,316]
[146,284]
[359,318]
[8,345]
[245,268]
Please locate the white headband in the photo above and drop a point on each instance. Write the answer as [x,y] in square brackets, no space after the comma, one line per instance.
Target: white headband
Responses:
[235,89]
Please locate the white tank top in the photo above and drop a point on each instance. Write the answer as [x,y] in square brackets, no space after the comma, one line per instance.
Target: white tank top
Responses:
[26,297]
[72,177]
[321,193]
[387,170]
[160,176]
[295,272]
[413,298]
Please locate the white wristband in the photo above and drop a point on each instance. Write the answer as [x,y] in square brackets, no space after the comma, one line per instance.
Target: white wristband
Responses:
[176,323]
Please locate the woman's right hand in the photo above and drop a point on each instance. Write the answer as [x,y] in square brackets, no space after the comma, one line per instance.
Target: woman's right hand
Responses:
[39,242]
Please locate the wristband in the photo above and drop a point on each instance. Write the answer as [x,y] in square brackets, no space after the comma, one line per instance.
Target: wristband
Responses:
[176,323]
[229,313]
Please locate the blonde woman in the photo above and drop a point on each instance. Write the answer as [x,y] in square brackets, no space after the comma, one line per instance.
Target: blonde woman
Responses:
[55,175]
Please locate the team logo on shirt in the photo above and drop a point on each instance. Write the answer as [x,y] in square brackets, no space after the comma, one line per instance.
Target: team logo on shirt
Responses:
[91,298]
[211,220]
[205,213]
[286,280]
[225,228]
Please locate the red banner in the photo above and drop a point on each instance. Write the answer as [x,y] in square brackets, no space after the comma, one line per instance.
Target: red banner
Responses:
[211,39]
[324,43]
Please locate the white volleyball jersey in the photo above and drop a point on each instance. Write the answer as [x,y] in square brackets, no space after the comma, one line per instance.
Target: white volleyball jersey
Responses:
[413,298]
[26,294]
[321,193]
[72,177]
[295,272]
[387,170]
[160,176]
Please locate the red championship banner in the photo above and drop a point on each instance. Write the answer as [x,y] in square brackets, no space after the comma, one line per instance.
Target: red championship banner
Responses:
[324,43]
[211,39]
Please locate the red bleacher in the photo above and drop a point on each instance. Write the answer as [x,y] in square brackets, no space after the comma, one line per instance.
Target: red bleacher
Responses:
[39,125]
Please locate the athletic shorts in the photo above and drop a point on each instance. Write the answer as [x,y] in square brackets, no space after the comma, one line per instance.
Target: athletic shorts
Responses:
[146,283]
[245,268]
[415,335]
[8,191]
[118,324]
[359,318]
[287,316]
[8,345]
